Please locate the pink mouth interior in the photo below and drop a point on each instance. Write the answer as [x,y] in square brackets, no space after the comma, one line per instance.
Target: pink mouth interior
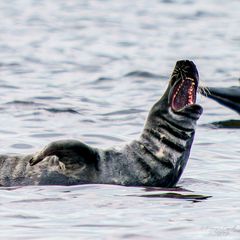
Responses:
[184,94]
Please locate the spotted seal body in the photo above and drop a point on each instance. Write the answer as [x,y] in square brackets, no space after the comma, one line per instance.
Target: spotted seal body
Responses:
[157,158]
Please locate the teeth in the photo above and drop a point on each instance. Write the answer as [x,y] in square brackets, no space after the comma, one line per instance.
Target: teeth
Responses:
[179,88]
[191,79]
[190,90]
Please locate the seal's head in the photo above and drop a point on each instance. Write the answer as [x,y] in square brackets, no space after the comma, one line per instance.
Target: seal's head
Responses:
[178,103]
[183,87]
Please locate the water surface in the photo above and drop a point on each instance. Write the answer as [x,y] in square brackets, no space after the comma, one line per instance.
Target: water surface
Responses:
[91,70]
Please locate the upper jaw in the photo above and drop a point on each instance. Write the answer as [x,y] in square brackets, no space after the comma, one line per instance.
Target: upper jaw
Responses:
[183,88]
[183,93]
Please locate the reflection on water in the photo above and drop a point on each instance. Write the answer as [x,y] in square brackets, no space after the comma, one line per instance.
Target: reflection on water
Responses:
[91,70]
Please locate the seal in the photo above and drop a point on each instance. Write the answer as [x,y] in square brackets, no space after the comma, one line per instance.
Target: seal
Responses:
[229,97]
[157,158]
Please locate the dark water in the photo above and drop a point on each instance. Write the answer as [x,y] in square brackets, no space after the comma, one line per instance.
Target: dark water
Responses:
[90,70]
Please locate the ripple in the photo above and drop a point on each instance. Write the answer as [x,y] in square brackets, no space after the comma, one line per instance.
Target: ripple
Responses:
[61,110]
[35,119]
[39,200]
[104,137]
[8,86]
[98,102]
[103,225]
[22,146]
[103,79]
[192,197]
[2,64]
[24,103]
[143,74]
[123,112]
[8,132]
[47,135]
[48,98]
[20,216]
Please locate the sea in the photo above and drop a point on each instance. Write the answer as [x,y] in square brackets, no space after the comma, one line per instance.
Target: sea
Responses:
[91,70]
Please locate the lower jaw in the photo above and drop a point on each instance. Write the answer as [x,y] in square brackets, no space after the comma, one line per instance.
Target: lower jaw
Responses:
[192,111]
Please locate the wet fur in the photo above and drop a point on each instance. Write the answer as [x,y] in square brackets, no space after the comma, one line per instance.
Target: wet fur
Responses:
[157,158]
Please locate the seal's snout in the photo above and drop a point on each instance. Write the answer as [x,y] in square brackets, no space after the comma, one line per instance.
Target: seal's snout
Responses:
[189,68]
[184,85]
[180,62]
[185,62]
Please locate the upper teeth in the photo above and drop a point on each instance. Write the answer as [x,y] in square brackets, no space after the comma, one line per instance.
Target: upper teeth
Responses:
[190,90]
[191,79]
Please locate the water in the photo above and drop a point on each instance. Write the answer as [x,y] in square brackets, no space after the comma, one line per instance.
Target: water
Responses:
[90,70]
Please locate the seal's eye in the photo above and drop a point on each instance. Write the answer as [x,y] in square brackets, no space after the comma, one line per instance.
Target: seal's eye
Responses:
[184,93]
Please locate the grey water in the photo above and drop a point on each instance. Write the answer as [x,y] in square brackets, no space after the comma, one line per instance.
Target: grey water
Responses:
[91,70]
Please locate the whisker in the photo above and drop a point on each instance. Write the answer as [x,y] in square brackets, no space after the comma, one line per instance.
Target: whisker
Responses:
[180,72]
[207,90]
[203,90]
[174,74]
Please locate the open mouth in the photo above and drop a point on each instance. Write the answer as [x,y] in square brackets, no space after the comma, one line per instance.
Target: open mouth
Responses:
[184,93]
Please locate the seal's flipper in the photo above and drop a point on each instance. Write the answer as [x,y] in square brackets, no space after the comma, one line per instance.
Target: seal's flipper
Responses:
[229,97]
[68,152]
